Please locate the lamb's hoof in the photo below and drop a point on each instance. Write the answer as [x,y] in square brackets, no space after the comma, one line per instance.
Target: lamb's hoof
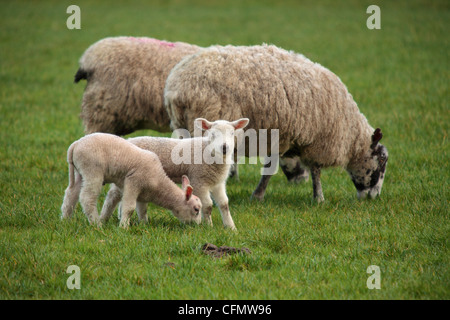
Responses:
[231,227]
[207,222]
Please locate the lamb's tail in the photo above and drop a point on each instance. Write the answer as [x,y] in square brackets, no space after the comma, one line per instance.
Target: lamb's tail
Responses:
[80,75]
[71,166]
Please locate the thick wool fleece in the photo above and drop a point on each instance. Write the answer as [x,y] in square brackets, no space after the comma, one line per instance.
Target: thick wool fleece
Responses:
[125,83]
[316,116]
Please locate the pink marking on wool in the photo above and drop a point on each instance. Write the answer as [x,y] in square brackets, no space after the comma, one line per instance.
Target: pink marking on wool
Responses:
[151,40]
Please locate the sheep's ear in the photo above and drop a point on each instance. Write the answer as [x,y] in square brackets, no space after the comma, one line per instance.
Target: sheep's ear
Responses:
[240,124]
[376,137]
[189,190]
[202,124]
[184,182]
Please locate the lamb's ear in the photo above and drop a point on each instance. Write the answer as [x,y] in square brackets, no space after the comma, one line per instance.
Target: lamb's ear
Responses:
[202,124]
[376,137]
[186,186]
[241,123]
[188,191]
[184,182]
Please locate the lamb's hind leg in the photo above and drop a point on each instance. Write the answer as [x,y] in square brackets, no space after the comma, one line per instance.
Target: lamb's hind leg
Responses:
[89,194]
[317,186]
[71,196]
[130,194]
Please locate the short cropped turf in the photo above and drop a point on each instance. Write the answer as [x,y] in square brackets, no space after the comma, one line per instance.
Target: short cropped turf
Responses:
[398,75]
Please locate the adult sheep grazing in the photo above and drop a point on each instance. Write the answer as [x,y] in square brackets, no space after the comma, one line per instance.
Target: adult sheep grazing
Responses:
[125,83]
[101,158]
[316,116]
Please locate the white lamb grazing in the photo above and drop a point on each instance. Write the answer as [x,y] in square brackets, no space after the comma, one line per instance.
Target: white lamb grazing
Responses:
[315,115]
[205,160]
[101,158]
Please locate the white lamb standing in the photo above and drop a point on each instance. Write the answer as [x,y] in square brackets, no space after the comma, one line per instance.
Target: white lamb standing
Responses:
[205,160]
[101,158]
[317,118]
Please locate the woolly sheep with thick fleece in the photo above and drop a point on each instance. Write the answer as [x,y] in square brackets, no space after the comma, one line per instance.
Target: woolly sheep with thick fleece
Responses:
[125,83]
[101,158]
[316,116]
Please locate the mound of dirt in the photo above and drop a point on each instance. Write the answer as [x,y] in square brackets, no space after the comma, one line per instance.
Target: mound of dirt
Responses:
[219,252]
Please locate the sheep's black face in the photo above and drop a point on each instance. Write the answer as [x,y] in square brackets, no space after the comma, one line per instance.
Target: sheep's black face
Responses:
[369,175]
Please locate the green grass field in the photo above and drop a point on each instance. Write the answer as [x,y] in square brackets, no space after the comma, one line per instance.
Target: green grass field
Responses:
[398,75]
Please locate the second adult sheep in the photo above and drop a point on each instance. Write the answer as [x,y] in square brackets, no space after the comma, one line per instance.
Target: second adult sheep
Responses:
[316,116]
[125,83]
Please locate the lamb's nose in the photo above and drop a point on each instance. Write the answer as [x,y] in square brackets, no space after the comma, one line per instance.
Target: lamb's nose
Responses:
[225,148]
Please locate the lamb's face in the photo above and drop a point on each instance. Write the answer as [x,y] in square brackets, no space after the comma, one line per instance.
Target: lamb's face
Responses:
[368,175]
[221,136]
[190,211]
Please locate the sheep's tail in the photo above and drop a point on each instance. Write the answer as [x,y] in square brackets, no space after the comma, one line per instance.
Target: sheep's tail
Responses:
[71,166]
[80,75]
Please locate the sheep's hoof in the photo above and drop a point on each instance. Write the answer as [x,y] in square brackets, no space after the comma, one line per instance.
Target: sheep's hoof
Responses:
[319,199]
[208,222]
[257,196]
[231,227]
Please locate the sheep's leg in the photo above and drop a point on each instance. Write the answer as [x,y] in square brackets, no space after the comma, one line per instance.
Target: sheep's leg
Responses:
[89,194]
[112,199]
[270,164]
[220,197]
[207,204]
[141,209]
[317,186]
[128,203]
[260,190]
[71,196]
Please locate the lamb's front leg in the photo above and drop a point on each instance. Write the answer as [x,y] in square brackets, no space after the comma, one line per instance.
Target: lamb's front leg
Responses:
[317,186]
[141,209]
[130,194]
[207,204]
[220,197]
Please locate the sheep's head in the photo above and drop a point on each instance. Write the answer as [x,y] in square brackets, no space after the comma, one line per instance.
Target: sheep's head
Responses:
[221,135]
[368,174]
[191,206]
